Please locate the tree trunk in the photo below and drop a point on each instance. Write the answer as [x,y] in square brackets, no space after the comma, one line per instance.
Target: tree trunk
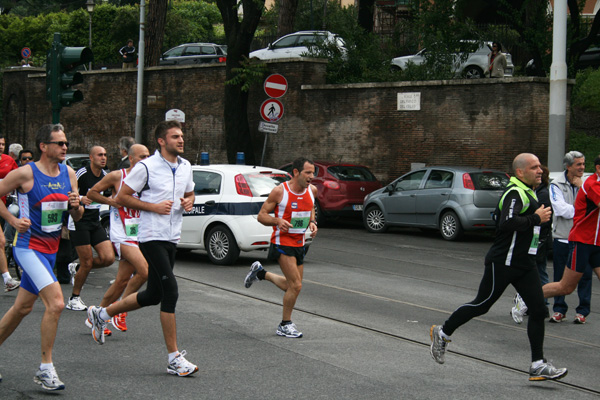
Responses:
[155,31]
[239,36]
[365,14]
[287,16]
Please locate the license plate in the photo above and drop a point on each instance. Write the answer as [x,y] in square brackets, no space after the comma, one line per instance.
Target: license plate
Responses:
[357,207]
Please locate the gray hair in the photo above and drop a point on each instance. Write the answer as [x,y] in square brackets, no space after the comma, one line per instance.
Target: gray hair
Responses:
[44,134]
[570,157]
[15,148]
[126,142]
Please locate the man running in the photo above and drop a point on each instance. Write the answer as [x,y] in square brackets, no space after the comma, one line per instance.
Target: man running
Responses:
[123,235]
[511,260]
[584,241]
[46,190]
[7,164]
[293,205]
[88,232]
[166,188]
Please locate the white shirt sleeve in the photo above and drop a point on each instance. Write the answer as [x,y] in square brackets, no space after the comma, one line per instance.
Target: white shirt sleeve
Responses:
[559,206]
[138,177]
[191,184]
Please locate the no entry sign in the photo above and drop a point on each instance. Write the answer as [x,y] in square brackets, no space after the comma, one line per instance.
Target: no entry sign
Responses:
[275,85]
[271,110]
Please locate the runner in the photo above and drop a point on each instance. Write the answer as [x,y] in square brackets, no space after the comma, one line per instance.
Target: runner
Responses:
[46,190]
[88,232]
[7,164]
[166,189]
[123,235]
[293,205]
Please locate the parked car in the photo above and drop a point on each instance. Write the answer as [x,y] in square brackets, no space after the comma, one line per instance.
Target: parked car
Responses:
[341,188]
[472,68]
[224,221]
[296,45]
[194,53]
[451,199]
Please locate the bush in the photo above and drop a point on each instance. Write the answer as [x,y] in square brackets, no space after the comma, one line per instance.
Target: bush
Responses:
[586,93]
[588,145]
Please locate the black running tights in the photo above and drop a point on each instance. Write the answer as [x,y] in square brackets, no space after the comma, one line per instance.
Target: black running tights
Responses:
[496,279]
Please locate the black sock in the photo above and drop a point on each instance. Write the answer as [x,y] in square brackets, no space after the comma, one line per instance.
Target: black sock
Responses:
[261,274]
[285,322]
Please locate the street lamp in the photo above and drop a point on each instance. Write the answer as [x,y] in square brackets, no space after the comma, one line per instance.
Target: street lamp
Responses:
[90,8]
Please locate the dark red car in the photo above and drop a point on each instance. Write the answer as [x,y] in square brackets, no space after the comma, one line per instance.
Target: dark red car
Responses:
[342,188]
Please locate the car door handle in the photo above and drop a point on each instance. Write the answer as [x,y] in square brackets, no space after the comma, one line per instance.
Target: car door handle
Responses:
[413,195]
[210,203]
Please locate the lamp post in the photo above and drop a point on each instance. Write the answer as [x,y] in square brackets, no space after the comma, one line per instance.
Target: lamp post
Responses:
[90,9]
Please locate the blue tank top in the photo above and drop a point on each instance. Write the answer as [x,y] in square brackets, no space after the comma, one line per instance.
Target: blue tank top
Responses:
[46,206]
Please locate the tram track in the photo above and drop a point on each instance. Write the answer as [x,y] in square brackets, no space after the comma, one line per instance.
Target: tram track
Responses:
[395,336]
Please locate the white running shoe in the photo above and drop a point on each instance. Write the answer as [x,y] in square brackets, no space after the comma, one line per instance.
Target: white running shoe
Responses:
[251,276]
[98,324]
[72,271]
[546,371]
[519,309]
[11,284]
[289,330]
[180,366]
[76,304]
[438,344]
[48,379]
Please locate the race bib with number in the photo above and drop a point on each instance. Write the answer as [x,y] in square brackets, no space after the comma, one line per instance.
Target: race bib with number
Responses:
[299,221]
[535,241]
[52,215]
[131,228]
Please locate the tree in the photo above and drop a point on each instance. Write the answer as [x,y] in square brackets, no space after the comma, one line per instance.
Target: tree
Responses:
[287,16]
[239,35]
[155,29]
[581,42]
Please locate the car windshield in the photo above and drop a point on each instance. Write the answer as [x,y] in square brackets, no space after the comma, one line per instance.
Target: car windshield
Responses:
[488,180]
[176,52]
[78,162]
[351,173]
[261,183]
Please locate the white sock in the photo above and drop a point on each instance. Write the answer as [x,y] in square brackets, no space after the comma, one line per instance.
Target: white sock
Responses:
[45,366]
[104,315]
[444,336]
[6,276]
[172,356]
[537,363]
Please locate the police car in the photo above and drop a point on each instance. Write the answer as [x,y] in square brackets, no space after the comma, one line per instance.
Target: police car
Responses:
[224,221]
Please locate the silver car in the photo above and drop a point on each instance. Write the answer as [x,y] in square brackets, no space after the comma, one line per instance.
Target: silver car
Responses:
[472,68]
[297,45]
[451,199]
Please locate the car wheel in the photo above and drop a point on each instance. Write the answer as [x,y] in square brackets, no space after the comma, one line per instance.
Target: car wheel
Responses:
[473,72]
[374,220]
[450,226]
[319,215]
[221,246]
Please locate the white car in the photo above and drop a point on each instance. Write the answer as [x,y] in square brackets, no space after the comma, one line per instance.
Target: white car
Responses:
[224,221]
[472,68]
[296,45]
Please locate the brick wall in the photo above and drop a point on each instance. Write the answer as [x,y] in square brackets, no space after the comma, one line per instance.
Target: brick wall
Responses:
[482,123]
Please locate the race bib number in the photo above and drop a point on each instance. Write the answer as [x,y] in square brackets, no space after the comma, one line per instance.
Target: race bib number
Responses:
[93,206]
[52,215]
[131,228]
[535,241]
[299,221]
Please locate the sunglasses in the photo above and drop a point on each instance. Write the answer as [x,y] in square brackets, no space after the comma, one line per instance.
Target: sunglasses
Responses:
[26,158]
[60,144]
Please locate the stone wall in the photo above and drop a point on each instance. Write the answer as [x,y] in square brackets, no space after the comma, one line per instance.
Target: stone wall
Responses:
[482,123]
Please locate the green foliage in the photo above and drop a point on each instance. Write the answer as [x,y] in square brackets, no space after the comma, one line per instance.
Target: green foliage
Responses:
[588,145]
[112,25]
[586,93]
[250,73]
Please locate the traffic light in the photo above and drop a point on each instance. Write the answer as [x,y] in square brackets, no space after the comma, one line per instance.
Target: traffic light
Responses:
[61,75]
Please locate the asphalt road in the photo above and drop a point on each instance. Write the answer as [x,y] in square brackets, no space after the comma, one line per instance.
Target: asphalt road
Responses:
[365,309]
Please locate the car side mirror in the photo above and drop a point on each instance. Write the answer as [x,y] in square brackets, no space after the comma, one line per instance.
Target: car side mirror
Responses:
[270,46]
[389,188]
